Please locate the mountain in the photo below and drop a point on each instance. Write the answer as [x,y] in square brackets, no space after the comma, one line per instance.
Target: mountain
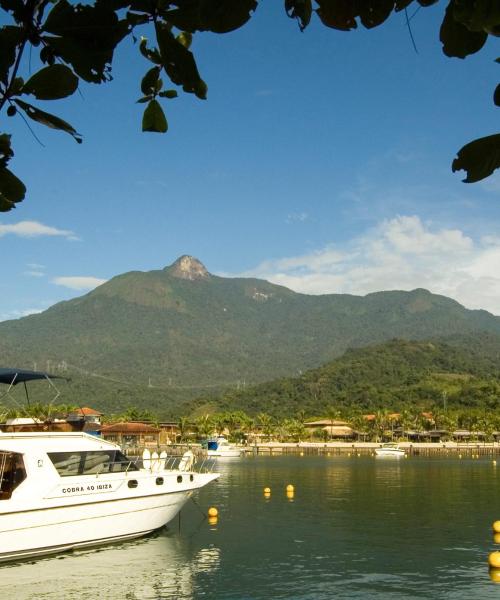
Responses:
[161,337]
[395,375]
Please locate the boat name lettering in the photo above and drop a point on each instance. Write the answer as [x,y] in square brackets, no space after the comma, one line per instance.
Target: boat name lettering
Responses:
[90,488]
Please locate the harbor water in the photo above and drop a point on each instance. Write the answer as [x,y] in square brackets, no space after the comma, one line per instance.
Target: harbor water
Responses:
[355,527]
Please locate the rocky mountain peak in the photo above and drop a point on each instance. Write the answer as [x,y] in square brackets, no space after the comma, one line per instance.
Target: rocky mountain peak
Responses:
[188,267]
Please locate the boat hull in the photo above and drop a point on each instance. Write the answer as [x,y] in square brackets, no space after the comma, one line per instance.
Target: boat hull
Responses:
[28,534]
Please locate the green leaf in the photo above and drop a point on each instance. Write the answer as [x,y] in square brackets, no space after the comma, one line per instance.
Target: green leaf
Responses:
[457,40]
[145,99]
[12,190]
[179,63]
[151,54]
[10,37]
[52,83]
[479,158]
[300,10]
[6,152]
[154,118]
[185,38]
[338,14]
[85,36]
[169,94]
[148,83]
[219,16]
[48,120]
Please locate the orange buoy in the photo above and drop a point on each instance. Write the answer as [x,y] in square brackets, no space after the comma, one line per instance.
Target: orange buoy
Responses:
[494,560]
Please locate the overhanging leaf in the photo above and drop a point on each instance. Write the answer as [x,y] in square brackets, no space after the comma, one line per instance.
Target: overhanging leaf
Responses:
[6,152]
[457,40]
[12,190]
[148,83]
[300,10]
[52,83]
[48,120]
[179,63]
[479,158]
[219,16]
[154,118]
[10,37]
[85,36]
[338,14]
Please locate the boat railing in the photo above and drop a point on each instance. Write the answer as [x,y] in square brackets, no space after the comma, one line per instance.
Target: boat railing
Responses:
[179,463]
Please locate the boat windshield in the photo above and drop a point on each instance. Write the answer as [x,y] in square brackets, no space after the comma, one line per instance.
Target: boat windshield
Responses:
[91,462]
[12,473]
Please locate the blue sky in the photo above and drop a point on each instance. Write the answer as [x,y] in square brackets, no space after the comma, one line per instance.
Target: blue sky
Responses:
[321,161]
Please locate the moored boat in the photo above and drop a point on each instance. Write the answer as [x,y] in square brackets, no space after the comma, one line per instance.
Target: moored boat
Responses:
[390,449]
[221,448]
[65,490]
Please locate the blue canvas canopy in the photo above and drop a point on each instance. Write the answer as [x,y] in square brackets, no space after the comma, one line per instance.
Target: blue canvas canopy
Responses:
[15,376]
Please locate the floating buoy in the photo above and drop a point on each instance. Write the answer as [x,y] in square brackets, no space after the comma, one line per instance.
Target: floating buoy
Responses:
[212,520]
[290,495]
[496,526]
[267,490]
[494,560]
[290,488]
[496,538]
[495,575]
[213,512]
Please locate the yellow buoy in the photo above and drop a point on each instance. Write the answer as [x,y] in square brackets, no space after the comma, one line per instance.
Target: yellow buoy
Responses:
[290,495]
[290,488]
[494,560]
[496,538]
[212,520]
[495,575]
[496,526]
[267,490]
[213,512]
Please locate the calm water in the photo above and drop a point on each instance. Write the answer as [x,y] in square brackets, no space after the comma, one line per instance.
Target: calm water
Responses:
[356,528]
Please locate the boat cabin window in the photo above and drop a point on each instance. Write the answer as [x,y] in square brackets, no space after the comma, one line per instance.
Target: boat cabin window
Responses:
[12,473]
[91,462]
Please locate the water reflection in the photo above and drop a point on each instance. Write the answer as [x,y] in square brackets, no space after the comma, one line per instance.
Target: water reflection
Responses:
[164,566]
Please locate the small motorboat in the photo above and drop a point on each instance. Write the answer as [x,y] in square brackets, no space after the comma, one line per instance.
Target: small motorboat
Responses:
[221,448]
[390,449]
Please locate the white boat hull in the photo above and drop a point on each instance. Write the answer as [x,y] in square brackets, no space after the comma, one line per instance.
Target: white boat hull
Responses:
[389,453]
[33,533]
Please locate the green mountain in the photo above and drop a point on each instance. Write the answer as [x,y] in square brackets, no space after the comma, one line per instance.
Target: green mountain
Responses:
[395,375]
[161,337]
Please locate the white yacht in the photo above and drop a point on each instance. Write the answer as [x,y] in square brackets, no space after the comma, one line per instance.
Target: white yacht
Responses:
[221,448]
[60,491]
[390,449]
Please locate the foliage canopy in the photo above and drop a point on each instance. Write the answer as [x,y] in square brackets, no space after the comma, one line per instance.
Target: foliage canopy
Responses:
[77,42]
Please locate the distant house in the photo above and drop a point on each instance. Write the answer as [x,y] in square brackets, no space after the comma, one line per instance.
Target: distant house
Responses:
[28,424]
[85,419]
[332,428]
[131,434]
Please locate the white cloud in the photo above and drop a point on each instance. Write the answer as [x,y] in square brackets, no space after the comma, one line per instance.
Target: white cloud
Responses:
[34,273]
[400,253]
[17,314]
[29,229]
[79,283]
[297,217]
